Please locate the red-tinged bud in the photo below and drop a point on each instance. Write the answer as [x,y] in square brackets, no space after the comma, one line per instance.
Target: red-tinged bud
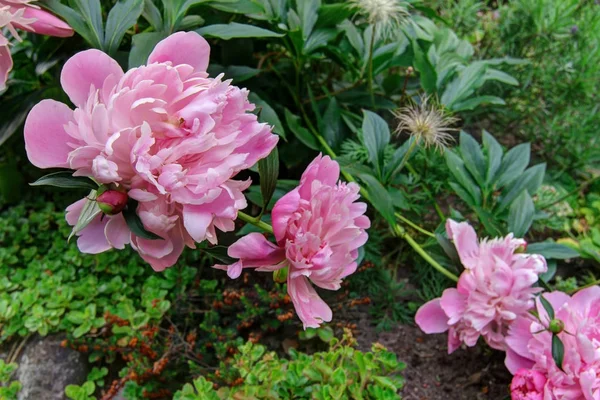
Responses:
[112,201]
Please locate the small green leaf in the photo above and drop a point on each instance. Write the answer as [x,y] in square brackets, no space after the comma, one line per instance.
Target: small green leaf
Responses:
[547,306]
[123,15]
[558,351]
[520,216]
[325,334]
[307,138]
[142,46]
[89,211]
[376,136]
[236,30]
[268,115]
[66,180]
[268,169]
[135,223]
[219,253]
[380,198]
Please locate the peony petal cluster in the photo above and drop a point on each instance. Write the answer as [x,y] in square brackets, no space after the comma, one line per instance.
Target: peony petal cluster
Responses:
[527,384]
[21,14]
[529,346]
[169,135]
[494,289]
[319,227]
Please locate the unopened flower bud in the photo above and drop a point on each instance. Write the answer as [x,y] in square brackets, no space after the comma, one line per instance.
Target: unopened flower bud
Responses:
[112,201]
[556,326]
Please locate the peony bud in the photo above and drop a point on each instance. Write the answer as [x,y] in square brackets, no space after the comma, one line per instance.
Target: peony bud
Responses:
[280,275]
[112,201]
[556,326]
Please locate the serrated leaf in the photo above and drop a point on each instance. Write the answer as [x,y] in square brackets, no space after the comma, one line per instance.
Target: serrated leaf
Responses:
[135,224]
[268,169]
[66,180]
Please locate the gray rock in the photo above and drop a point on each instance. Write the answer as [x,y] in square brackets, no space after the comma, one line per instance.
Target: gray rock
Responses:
[46,368]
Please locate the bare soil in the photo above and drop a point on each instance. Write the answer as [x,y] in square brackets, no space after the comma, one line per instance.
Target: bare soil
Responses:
[431,374]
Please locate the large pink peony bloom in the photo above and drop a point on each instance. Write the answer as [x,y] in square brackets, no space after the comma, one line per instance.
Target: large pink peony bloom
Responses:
[494,289]
[530,346]
[23,15]
[527,384]
[170,135]
[319,227]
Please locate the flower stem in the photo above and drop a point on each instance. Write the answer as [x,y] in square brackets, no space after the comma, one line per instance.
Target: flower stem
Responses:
[401,233]
[370,75]
[256,222]
[589,285]
[406,156]
[414,226]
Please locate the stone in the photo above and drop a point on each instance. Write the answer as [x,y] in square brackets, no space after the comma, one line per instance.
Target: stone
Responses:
[46,368]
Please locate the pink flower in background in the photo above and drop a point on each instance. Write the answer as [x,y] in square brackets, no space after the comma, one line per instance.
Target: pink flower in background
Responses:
[530,346]
[170,135]
[319,228]
[494,289]
[527,384]
[21,14]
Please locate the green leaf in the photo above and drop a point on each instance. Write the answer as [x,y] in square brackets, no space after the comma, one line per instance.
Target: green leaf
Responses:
[339,377]
[427,73]
[219,253]
[268,169]
[142,46]
[325,334]
[473,158]
[393,167]
[489,222]
[237,7]
[458,170]
[376,136]
[474,102]
[330,15]
[135,223]
[308,13]
[89,211]
[66,180]
[530,180]
[91,11]
[494,156]
[331,124]
[236,30]
[76,20]
[307,138]
[520,216]
[552,250]
[558,351]
[379,197]
[152,14]
[123,15]
[268,115]
[548,307]
[513,164]
[497,75]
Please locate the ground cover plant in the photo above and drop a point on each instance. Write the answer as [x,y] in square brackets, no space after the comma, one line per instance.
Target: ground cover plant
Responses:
[287,199]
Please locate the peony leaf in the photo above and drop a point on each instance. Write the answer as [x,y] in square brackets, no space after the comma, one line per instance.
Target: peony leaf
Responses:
[88,213]
[548,307]
[65,180]
[135,223]
[558,351]
[268,168]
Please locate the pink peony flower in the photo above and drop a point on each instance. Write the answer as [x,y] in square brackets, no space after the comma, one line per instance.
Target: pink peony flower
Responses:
[494,289]
[170,135]
[23,15]
[530,345]
[319,227]
[527,384]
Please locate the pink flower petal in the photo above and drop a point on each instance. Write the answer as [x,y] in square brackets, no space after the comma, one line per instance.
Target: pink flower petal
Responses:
[46,141]
[515,362]
[117,232]
[6,62]
[465,241]
[311,309]
[281,213]
[182,48]
[46,23]
[86,70]
[92,239]
[431,318]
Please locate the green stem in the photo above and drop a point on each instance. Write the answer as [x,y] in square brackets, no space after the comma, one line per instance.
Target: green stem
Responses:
[589,285]
[401,233]
[256,222]
[411,148]
[414,226]
[571,193]
[370,77]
